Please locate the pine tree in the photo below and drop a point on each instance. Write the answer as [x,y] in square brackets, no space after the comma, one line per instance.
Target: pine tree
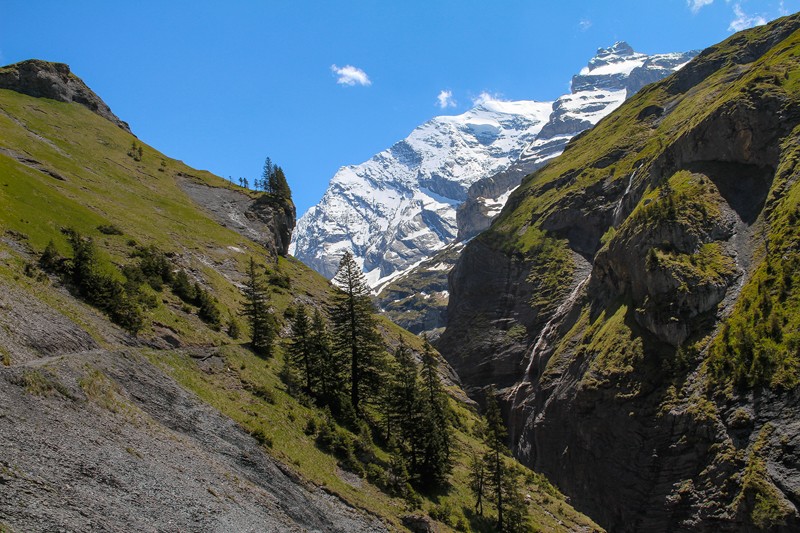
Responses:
[435,423]
[501,481]
[279,185]
[355,334]
[331,368]
[477,481]
[266,175]
[494,437]
[256,310]
[403,405]
[302,354]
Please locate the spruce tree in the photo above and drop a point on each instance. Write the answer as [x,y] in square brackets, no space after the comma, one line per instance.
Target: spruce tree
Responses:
[256,310]
[355,334]
[495,439]
[279,186]
[435,423]
[501,481]
[302,354]
[331,368]
[266,176]
[403,406]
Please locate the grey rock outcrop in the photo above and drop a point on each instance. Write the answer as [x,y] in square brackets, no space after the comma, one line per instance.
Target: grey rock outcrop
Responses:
[266,220]
[43,79]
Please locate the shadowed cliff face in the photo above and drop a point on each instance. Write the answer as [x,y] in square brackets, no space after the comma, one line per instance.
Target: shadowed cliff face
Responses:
[43,79]
[604,300]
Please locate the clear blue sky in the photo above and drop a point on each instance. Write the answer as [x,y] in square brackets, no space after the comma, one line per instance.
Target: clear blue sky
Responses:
[222,85]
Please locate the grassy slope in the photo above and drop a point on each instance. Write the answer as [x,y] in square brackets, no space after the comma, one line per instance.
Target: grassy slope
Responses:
[103,185]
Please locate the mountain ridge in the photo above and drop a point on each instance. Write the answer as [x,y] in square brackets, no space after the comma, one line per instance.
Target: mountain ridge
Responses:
[621,323]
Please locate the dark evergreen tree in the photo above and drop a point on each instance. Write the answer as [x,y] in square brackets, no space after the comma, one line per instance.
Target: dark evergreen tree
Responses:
[256,310]
[266,175]
[332,369]
[501,480]
[303,356]
[477,481]
[279,185]
[403,403]
[183,288]
[434,426]
[495,439]
[207,307]
[355,334]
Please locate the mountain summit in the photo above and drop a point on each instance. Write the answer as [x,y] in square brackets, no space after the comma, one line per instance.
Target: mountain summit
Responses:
[399,208]
[45,79]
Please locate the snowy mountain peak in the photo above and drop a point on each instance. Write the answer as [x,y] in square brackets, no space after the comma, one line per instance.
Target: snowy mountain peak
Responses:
[399,207]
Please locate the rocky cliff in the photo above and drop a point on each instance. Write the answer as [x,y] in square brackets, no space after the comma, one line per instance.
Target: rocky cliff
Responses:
[43,79]
[264,218]
[637,301]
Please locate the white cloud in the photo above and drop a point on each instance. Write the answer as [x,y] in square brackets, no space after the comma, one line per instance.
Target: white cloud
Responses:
[486,98]
[697,5]
[584,24]
[782,9]
[743,20]
[445,99]
[350,75]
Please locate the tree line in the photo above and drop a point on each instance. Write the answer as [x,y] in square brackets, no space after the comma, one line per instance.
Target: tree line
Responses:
[341,364]
[272,181]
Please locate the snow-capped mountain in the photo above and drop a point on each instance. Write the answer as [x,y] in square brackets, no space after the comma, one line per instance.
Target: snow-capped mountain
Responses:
[612,76]
[399,208]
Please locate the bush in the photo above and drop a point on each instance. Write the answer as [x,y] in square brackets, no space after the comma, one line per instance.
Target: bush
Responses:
[109,229]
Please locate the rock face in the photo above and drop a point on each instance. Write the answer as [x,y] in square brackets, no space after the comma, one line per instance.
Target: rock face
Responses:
[43,79]
[607,301]
[266,220]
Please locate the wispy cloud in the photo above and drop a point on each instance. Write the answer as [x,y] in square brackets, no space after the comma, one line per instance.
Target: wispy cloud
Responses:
[743,20]
[697,5]
[350,75]
[486,98]
[782,9]
[445,99]
[584,24]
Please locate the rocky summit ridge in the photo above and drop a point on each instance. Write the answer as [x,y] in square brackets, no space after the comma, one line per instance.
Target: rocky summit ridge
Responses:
[45,79]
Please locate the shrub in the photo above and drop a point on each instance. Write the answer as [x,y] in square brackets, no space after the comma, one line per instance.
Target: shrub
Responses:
[109,229]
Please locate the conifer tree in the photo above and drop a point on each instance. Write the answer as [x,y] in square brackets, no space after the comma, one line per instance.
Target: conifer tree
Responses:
[266,175]
[302,353]
[355,334]
[477,481]
[256,310]
[331,368]
[279,185]
[435,423]
[403,405]
[500,480]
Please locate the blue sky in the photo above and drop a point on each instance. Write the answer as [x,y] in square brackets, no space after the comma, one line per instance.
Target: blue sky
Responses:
[317,85]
